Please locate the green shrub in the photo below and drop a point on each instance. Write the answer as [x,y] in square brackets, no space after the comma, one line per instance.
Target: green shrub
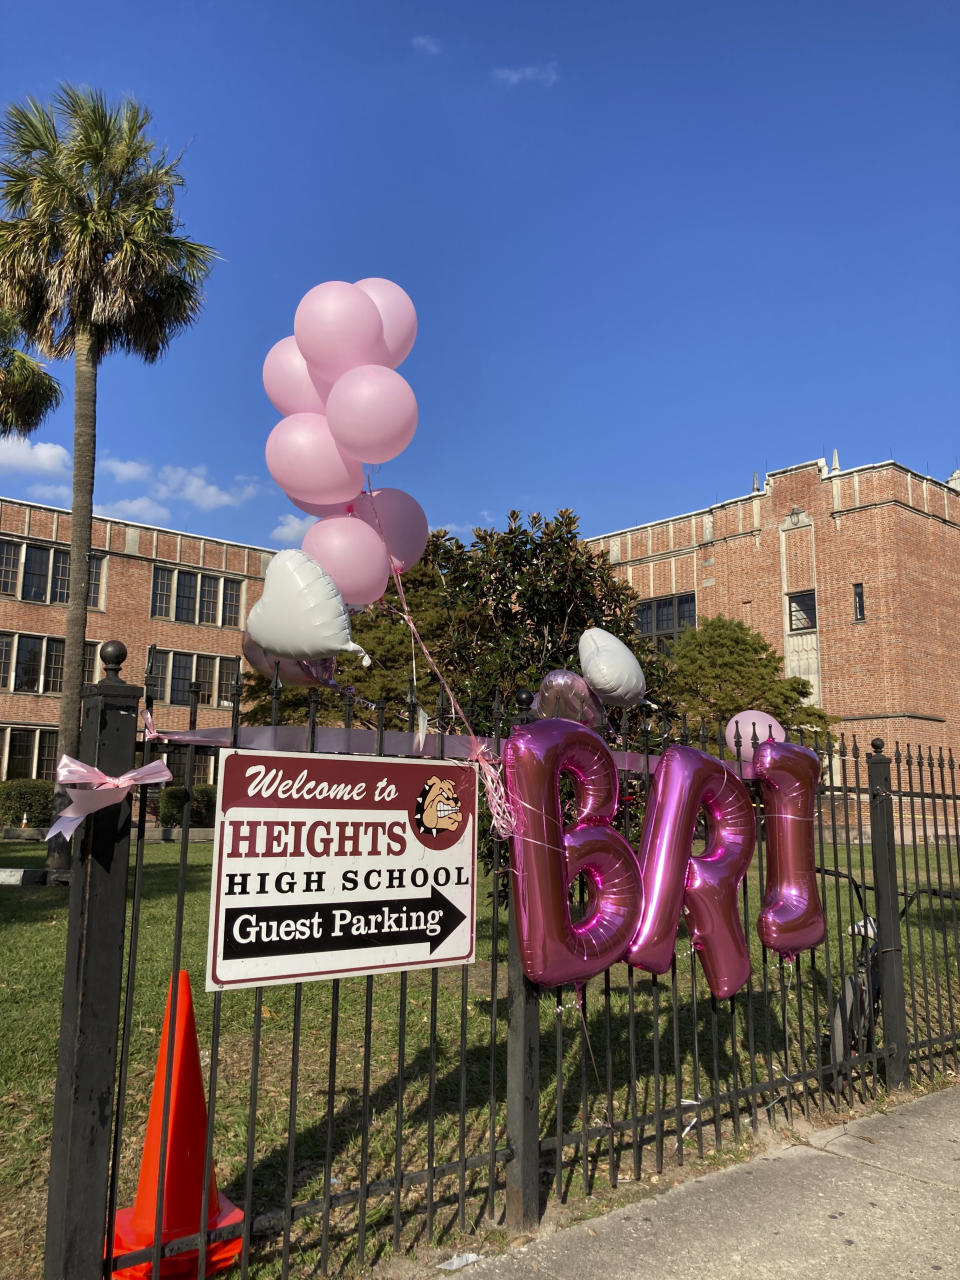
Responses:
[202,805]
[30,796]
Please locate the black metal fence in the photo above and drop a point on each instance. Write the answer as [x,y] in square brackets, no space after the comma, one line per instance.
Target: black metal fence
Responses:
[354,1117]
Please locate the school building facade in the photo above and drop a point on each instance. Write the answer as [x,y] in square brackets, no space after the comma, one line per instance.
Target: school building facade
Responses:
[187,595]
[851,575]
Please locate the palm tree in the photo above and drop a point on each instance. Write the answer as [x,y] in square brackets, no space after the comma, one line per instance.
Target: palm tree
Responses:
[27,392]
[92,260]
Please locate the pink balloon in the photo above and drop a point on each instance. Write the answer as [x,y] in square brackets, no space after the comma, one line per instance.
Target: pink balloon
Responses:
[293,671]
[338,326]
[705,888]
[564,695]
[400,521]
[766,727]
[792,918]
[353,555]
[398,315]
[303,458]
[547,857]
[324,509]
[372,413]
[289,382]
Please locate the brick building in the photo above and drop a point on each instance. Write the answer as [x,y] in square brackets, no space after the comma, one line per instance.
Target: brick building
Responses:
[850,575]
[185,594]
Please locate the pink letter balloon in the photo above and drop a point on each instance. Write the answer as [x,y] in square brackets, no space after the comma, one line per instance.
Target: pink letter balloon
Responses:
[705,888]
[288,381]
[353,555]
[372,413]
[792,918]
[303,458]
[398,316]
[338,326]
[547,858]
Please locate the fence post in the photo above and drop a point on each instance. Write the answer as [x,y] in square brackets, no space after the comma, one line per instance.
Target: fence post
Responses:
[523,1069]
[888,917]
[83,1102]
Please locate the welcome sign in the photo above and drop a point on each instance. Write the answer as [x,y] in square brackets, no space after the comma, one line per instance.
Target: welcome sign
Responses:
[326,866]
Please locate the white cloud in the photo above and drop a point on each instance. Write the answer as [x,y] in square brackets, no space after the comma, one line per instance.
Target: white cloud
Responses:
[547,75]
[59,494]
[146,510]
[125,472]
[17,454]
[291,530]
[191,485]
[458,530]
[426,44]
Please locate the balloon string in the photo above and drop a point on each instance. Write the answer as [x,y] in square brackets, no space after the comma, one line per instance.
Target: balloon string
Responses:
[501,812]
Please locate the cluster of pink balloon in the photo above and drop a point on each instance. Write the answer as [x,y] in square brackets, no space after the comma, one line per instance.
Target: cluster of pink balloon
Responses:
[334,378]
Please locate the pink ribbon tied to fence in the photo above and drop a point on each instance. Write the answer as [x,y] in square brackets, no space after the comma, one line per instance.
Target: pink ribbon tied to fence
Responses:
[91,790]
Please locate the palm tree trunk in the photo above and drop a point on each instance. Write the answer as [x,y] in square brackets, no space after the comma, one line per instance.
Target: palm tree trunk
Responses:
[81,528]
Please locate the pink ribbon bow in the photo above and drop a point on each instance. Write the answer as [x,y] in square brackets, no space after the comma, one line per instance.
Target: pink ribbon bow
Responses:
[90,790]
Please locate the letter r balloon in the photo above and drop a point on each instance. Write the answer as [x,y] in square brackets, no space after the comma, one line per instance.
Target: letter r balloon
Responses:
[704,888]
[547,856]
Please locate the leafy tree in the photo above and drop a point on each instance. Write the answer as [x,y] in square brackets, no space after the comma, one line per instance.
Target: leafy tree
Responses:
[27,392]
[521,598]
[91,261]
[722,667]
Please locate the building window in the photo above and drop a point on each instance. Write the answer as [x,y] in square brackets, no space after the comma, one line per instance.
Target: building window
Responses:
[162,589]
[53,667]
[231,603]
[91,649]
[192,597]
[803,611]
[209,598]
[186,610]
[9,567]
[173,673]
[181,674]
[29,665]
[661,621]
[93,582]
[46,574]
[20,753]
[37,663]
[206,673]
[47,754]
[60,578]
[858,613]
[36,569]
[229,670]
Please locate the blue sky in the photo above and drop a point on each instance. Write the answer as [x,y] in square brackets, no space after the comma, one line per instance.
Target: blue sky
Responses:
[653,247]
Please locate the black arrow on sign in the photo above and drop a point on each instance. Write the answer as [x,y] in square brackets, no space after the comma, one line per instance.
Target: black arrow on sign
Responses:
[342,926]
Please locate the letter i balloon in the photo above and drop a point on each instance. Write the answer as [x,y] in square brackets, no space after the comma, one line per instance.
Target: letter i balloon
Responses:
[334,379]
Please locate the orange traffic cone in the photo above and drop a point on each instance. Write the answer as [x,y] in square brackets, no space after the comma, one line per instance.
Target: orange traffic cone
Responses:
[183,1175]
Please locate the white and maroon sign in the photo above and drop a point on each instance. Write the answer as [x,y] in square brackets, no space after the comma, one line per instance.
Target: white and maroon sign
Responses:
[326,866]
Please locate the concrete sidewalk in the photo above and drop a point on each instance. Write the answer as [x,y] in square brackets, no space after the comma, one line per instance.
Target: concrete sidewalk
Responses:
[878,1197]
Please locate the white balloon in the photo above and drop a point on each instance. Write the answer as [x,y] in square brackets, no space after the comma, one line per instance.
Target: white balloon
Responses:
[301,613]
[610,669]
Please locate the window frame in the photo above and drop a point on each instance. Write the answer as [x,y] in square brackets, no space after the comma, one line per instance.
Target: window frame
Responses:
[796,610]
[657,609]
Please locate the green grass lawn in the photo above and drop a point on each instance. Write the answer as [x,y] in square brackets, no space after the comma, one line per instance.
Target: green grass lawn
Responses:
[705,1049]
